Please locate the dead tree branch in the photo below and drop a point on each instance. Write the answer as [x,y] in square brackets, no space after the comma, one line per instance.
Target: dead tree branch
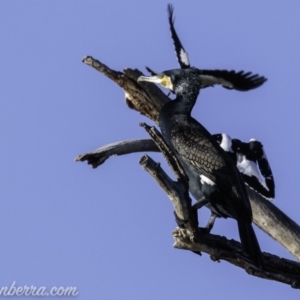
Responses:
[265,214]
[220,248]
[100,155]
[147,100]
[275,223]
[182,203]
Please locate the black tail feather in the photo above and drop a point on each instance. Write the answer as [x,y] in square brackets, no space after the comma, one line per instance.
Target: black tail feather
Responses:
[250,243]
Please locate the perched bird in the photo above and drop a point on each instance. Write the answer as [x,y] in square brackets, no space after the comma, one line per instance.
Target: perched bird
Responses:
[241,81]
[252,162]
[250,157]
[214,179]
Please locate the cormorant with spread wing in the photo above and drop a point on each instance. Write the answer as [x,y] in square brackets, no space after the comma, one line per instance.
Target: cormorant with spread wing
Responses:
[241,81]
[213,175]
[250,157]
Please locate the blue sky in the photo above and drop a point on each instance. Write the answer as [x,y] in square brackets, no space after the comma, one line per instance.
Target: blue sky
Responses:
[108,231]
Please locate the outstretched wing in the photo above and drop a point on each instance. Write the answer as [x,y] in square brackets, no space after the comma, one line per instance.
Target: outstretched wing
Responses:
[240,81]
[181,54]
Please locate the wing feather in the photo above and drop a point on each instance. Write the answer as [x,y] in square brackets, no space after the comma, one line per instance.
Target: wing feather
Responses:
[181,54]
[240,81]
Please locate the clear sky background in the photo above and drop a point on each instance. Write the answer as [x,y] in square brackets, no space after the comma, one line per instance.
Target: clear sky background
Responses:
[108,231]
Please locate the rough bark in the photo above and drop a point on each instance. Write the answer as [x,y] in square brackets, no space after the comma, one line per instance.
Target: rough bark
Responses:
[220,248]
[145,98]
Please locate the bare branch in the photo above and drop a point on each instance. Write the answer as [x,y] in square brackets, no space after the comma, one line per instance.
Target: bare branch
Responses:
[100,155]
[177,191]
[275,223]
[220,248]
[171,159]
[265,214]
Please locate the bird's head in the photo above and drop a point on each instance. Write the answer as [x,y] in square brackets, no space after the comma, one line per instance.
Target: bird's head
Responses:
[256,149]
[165,79]
[173,79]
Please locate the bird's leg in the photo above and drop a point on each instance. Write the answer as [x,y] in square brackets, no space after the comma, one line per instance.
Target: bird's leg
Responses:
[211,222]
[203,201]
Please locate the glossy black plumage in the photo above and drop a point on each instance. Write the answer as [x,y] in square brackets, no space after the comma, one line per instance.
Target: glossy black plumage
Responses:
[211,171]
[241,81]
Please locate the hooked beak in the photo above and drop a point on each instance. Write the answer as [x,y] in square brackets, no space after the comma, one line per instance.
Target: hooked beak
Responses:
[155,79]
[163,80]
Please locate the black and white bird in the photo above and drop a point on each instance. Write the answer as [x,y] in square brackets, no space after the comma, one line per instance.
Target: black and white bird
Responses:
[240,81]
[214,179]
[251,160]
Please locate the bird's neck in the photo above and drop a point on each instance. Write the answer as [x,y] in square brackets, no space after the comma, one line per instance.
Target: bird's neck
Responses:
[184,102]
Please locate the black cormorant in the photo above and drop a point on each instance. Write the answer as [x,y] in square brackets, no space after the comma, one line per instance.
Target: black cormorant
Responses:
[250,157]
[252,162]
[241,81]
[214,179]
